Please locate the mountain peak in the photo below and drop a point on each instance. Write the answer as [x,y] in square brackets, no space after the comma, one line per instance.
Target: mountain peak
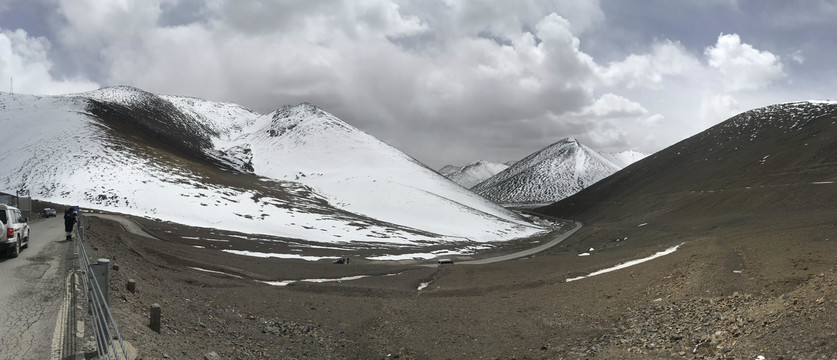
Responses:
[473,173]
[121,94]
[547,175]
[304,109]
[289,117]
[568,141]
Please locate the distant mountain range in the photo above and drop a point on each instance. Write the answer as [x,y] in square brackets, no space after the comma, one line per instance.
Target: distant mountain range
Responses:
[298,172]
[548,175]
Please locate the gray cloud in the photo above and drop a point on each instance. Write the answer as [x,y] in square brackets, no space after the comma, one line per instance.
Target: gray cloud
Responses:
[445,81]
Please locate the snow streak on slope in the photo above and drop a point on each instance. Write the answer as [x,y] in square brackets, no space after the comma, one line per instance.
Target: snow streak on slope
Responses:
[473,173]
[361,174]
[553,173]
[101,150]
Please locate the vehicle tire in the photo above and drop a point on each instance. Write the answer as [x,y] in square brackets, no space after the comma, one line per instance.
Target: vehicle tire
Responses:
[27,243]
[15,250]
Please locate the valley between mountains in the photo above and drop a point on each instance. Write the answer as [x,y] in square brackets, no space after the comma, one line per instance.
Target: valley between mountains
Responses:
[730,233]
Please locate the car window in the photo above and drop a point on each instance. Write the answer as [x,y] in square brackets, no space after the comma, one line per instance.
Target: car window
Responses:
[18,217]
[3,216]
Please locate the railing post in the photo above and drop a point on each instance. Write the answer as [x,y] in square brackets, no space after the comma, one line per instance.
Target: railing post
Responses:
[101,274]
[101,279]
[96,281]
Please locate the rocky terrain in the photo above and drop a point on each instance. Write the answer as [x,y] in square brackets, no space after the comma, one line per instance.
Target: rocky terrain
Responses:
[717,297]
[751,204]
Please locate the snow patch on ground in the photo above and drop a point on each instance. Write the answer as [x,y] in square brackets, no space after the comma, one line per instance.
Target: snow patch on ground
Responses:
[276,255]
[629,263]
[215,272]
[287,282]
[430,255]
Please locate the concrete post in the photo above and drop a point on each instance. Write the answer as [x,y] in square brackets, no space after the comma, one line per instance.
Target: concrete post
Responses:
[156,314]
[132,286]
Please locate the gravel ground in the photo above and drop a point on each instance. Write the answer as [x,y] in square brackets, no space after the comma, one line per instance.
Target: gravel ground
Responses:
[754,286]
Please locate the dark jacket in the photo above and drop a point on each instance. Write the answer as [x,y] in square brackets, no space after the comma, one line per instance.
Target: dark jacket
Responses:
[69,219]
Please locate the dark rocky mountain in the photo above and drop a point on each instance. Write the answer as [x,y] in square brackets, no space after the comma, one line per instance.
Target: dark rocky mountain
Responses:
[777,158]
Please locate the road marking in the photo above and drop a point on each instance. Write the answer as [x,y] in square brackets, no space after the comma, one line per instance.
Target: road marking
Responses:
[61,322]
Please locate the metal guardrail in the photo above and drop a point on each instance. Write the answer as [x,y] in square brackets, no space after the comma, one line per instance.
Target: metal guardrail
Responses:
[96,280]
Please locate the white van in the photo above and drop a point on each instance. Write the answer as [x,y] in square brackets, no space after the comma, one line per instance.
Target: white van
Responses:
[444,262]
[16,230]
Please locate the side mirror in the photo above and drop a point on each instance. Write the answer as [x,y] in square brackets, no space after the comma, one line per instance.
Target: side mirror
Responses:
[25,219]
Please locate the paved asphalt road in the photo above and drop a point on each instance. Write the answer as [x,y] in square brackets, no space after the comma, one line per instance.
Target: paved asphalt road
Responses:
[126,223]
[33,291]
[528,252]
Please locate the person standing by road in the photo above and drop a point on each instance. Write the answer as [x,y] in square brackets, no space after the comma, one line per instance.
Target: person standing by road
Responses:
[69,221]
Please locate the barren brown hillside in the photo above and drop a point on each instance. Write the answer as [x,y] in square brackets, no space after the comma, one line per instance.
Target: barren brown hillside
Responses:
[751,201]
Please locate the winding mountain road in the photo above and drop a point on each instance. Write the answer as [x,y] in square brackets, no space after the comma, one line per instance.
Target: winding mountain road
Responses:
[528,252]
[132,227]
[126,223]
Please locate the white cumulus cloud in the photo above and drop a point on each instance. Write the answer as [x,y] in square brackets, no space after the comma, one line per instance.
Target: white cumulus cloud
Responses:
[742,66]
[666,58]
[611,105]
[24,62]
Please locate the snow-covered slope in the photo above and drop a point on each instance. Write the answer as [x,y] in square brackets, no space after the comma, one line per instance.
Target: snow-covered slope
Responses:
[298,172]
[624,158]
[550,174]
[361,174]
[448,169]
[473,173]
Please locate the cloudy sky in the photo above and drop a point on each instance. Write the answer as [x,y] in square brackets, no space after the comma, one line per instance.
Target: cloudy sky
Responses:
[448,82]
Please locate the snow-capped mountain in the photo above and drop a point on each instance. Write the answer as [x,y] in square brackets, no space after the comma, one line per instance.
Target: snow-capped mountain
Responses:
[473,173]
[552,173]
[298,172]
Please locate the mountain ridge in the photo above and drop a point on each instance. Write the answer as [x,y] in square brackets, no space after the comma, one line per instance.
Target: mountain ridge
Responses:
[126,154]
[733,144]
[552,173]
[472,174]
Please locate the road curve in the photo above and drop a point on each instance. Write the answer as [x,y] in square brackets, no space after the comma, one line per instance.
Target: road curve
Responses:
[126,223]
[132,227]
[528,252]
